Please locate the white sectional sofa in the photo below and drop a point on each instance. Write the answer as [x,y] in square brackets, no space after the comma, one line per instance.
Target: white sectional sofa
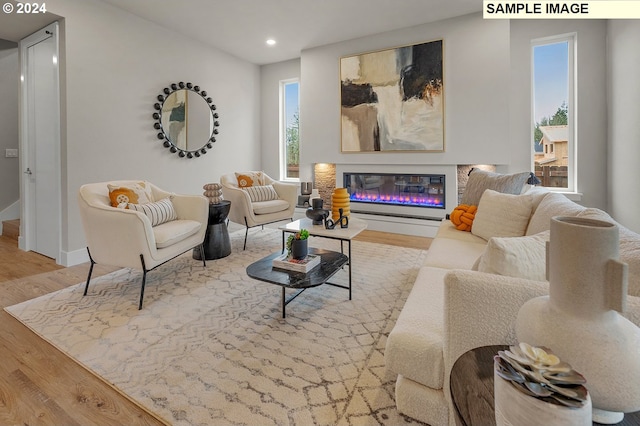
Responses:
[456,305]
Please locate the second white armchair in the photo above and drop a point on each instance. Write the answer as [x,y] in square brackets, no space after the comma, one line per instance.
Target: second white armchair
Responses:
[257,199]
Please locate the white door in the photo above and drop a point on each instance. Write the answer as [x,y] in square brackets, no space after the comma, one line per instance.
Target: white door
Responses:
[40,142]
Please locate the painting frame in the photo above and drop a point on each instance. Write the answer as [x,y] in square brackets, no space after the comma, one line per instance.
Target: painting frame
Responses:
[392,100]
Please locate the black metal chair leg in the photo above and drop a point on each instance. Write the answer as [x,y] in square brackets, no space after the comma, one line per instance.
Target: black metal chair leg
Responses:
[86,287]
[204,263]
[144,280]
[246,233]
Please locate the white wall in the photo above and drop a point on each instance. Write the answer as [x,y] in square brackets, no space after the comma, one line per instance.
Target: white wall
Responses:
[9,85]
[270,77]
[116,64]
[476,76]
[591,103]
[624,121]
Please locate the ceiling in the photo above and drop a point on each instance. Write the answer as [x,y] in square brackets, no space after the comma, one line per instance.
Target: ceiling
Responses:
[241,27]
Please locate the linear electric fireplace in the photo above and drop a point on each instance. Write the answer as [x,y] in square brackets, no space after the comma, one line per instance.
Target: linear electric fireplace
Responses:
[415,190]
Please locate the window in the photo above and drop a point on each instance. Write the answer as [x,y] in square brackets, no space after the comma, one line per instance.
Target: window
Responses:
[289,130]
[554,144]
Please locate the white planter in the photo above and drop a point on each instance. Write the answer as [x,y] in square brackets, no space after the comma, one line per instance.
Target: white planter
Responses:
[513,408]
[578,320]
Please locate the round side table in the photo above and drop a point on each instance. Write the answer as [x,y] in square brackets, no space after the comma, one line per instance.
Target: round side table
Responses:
[472,389]
[216,240]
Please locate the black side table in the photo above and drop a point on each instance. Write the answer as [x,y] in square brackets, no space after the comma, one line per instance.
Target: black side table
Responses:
[216,240]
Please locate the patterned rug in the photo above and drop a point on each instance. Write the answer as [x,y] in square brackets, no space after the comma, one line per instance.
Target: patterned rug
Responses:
[210,345]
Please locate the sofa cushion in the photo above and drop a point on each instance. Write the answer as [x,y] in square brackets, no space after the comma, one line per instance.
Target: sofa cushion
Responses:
[448,253]
[521,257]
[502,215]
[414,346]
[266,207]
[552,204]
[175,231]
[159,212]
[629,250]
[481,180]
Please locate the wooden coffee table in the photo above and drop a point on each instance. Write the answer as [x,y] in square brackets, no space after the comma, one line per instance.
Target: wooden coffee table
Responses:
[472,389]
[330,263]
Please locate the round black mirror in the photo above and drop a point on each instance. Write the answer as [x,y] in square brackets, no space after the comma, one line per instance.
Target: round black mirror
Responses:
[186,121]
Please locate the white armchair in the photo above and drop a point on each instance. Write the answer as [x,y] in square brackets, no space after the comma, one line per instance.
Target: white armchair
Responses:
[126,238]
[258,213]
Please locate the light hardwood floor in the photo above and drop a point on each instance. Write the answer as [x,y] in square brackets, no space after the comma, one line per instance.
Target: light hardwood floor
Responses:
[41,386]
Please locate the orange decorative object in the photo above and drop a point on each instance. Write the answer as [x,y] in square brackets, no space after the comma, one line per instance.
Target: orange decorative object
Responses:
[340,200]
[462,217]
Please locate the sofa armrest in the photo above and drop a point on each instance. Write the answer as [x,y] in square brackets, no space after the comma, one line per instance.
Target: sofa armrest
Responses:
[287,191]
[481,309]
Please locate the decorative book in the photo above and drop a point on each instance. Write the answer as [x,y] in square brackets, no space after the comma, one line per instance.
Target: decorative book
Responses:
[297,265]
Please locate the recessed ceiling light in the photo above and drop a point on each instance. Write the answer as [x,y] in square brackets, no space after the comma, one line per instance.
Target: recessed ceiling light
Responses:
[271,42]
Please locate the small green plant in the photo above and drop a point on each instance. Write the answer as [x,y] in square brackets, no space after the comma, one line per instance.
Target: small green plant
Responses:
[303,234]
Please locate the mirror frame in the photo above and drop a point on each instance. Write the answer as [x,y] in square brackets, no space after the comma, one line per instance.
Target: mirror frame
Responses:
[164,137]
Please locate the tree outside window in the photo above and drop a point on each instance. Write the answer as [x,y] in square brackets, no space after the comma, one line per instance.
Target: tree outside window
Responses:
[291,135]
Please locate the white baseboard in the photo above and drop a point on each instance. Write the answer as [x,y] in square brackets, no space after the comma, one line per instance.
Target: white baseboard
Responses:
[76,257]
[393,224]
[10,213]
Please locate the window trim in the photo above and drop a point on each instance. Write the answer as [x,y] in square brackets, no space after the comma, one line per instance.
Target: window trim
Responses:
[282,143]
[572,107]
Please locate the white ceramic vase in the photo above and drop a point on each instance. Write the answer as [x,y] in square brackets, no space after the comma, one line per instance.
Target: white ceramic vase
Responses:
[580,322]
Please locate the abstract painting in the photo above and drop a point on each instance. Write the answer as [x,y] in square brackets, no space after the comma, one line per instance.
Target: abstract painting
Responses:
[393,100]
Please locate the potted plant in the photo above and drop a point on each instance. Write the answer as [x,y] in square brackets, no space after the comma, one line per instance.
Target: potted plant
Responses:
[297,247]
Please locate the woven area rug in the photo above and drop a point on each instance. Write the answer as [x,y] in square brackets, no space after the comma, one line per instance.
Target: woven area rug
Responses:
[210,345]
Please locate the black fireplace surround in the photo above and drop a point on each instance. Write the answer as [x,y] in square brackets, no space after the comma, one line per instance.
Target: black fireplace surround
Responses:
[416,190]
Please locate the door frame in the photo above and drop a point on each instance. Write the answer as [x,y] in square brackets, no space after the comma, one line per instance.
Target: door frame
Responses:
[26,240]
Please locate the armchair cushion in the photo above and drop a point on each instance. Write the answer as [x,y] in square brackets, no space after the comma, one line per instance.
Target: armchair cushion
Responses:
[272,206]
[132,192]
[159,212]
[248,179]
[169,233]
[259,193]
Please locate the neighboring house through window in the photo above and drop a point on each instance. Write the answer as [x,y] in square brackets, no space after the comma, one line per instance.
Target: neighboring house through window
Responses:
[289,129]
[554,144]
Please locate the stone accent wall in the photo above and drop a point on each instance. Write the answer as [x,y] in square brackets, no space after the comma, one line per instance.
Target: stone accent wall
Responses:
[325,181]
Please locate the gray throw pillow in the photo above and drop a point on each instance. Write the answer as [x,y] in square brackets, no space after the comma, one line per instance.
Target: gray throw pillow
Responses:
[480,180]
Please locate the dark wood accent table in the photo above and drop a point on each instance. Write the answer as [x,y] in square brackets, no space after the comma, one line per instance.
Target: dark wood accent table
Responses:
[472,389]
[216,240]
[330,263]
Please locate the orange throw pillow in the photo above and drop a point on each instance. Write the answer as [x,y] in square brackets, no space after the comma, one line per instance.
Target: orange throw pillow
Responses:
[248,179]
[462,217]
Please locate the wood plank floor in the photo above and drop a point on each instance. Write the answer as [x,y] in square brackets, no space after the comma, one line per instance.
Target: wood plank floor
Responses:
[41,386]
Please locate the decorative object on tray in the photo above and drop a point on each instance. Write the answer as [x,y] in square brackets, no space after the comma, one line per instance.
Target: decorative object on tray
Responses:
[342,220]
[587,285]
[297,244]
[213,191]
[316,213]
[304,265]
[340,200]
[549,391]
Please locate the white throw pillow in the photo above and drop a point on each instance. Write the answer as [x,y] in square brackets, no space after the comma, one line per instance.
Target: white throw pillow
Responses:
[159,212]
[553,204]
[261,193]
[520,257]
[501,215]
